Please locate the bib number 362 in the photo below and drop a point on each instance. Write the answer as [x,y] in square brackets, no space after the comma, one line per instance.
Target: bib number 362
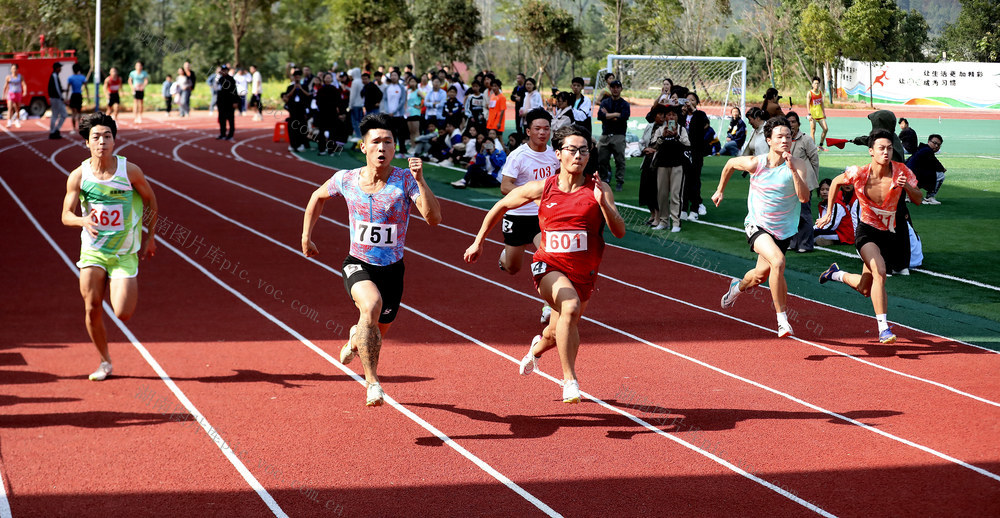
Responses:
[557,242]
[107,217]
[374,234]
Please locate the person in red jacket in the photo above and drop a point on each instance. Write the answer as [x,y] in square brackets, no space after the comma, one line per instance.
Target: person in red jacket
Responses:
[573,210]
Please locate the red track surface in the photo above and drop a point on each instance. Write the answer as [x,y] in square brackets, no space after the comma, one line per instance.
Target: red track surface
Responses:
[701,413]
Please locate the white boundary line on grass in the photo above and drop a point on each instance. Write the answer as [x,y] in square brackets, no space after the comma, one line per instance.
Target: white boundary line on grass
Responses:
[178,393]
[841,252]
[624,333]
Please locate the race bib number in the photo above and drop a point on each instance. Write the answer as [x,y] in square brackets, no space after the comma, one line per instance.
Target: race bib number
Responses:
[539,268]
[107,217]
[560,242]
[507,226]
[888,218]
[374,234]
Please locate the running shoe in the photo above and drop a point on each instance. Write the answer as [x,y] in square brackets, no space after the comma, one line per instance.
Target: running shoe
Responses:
[546,314]
[930,200]
[887,336]
[701,209]
[730,297]
[375,395]
[102,372]
[692,216]
[663,225]
[347,352]
[500,259]
[571,391]
[828,274]
[530,362]
[784,330]
[676,229]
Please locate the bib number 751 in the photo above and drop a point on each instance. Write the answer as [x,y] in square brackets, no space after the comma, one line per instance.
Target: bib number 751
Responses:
[374,234]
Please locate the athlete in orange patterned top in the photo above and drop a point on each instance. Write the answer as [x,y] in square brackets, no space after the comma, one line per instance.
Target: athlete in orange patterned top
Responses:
[879,187]
[573,210]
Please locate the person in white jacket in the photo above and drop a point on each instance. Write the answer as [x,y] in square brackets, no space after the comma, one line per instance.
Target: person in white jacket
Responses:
[356,102]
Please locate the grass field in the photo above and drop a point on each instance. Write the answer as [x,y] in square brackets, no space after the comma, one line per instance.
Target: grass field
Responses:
[959,236]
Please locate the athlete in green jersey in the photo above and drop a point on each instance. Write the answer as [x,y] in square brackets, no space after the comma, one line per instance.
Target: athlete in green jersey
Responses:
[112,193]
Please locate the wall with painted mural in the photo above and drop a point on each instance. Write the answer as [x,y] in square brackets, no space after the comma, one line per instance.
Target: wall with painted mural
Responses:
[955,84]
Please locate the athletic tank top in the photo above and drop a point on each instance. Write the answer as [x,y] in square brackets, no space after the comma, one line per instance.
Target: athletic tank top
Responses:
[772,203]
[816,105]
[114,84]
[572,230]
[14,86]
[115,207]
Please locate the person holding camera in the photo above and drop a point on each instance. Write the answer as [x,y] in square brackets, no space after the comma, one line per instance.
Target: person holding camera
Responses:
[669,161]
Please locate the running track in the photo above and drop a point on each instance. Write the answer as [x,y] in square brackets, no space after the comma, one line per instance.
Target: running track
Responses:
[692,411]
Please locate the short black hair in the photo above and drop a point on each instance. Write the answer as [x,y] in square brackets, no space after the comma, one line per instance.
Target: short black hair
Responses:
[816,78]
[696,98]
[453,88]
[609,74]
[935,136]
[903,119]
[97,119]
[532,79]
[774,123]
[879,133]
[577,81]
[791,114]
[572,130]
[537,113]
[364,74]
[374,121]
[497,82]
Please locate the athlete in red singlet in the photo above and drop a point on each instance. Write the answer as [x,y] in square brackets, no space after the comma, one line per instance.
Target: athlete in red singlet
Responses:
[573,210]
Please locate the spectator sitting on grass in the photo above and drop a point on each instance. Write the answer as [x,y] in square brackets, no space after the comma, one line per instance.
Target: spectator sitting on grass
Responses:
[485,170]
[423,142]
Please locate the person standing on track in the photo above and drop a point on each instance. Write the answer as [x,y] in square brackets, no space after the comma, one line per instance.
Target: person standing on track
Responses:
[777,191]
[880,186]
[227,101]
[137,80]
[112,84]
[112,193]
[573,210]
[817,114]
[13,92]
[379,197]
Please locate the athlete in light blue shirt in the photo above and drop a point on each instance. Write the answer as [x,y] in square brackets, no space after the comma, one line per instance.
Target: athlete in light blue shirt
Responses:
[777,188]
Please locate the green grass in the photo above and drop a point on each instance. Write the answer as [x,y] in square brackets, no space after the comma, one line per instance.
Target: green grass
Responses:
[959,237]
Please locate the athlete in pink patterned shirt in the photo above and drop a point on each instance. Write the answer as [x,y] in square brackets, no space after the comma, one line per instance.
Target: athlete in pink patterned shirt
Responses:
[379,197]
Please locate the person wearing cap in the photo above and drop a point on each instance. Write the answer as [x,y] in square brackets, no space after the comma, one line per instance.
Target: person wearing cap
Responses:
[227,101]
[614,114]
[59,114]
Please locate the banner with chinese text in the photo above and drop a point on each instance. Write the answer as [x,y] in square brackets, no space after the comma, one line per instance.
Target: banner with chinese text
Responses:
[955,84]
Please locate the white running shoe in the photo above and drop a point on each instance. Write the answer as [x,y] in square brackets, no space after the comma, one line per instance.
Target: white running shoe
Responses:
[347,352]
[530,362]
[730,297]
[571,391]
[692,216]
[102,372]
[546,312]
[684,216]
[701,210]
[661,226]
[676,228]
[784,330]
[375,395]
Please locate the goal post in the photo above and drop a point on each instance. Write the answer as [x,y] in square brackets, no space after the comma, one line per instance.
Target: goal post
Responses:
[720,82]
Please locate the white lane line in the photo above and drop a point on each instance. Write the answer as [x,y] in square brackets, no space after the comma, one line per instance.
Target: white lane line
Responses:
[654,256]
[429,427]
[623,333]
[178,393]
[846,355]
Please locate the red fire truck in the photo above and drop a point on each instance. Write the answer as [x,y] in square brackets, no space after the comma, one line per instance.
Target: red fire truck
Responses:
[36,67]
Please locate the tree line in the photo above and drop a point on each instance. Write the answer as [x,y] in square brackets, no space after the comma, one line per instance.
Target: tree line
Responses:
[785,41]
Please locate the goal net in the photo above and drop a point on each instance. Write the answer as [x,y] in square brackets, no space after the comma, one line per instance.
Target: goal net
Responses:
[720,82]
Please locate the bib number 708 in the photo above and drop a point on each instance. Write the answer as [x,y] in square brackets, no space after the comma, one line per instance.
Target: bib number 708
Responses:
[374,234]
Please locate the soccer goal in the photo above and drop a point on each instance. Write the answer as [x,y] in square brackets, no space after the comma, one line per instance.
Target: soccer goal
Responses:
[720,82]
